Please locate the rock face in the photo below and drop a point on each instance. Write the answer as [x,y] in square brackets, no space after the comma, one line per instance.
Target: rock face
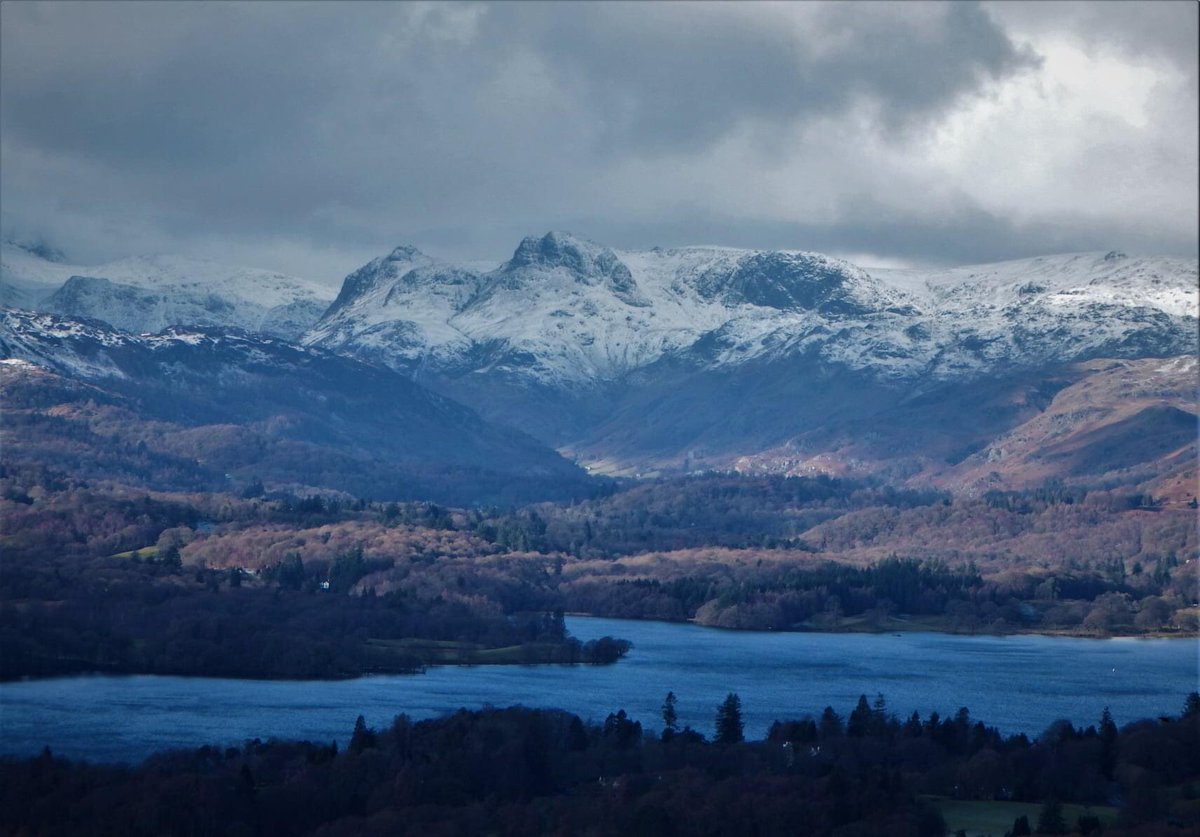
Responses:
[251,407]
[149,293]
[701,357]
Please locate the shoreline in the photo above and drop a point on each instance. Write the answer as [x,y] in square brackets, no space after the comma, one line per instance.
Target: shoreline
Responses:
[902,627]
[505,660]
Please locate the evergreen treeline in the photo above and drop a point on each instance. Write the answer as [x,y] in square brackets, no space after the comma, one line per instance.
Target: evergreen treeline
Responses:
[521,771]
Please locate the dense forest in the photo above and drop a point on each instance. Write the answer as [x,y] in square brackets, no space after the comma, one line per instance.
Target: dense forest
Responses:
[123,615]
[524,771]
[99,576]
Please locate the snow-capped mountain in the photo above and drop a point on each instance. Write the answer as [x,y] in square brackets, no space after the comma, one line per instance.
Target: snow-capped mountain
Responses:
[245,407]
[150,293]
[571,313]
[646,355]
[636,361]
[567,312]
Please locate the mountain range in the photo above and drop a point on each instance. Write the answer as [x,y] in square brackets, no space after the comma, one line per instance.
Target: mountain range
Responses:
[641,362]
[567,313]
[635,362]
[150,293]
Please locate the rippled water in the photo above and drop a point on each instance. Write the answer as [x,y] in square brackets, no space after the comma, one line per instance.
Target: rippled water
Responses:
[1019,684]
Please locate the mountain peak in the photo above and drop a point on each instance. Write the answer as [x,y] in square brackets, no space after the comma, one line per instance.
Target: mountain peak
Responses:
[405,253]
[586,261]
[785,281]
[560,249]
[379,273]
[589,262]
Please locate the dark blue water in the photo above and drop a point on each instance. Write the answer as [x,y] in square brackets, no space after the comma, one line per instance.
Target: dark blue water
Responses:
[1019,684]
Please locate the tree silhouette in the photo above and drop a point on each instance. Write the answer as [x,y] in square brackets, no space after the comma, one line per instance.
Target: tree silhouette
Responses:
[669,716]
[859,722]
[729,720]
[363,737]
[1108,744]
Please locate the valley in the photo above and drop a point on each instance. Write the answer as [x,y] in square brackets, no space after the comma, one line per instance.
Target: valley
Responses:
[754,440]
[792,362]
[772,472]
[676,361]
[657,419]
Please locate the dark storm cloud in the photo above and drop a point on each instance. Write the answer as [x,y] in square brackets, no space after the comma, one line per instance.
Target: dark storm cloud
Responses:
[665,80]
[343,129]
[187,84]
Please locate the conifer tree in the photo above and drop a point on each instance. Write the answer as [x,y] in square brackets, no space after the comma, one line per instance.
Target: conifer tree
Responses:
[670,717]
[729,721]
[363,737]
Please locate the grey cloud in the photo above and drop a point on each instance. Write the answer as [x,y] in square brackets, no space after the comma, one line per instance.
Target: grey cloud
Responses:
[968,233]
[663,82]
[264,118]
[965,235]
[1160,29]
[188,86]
[356,126]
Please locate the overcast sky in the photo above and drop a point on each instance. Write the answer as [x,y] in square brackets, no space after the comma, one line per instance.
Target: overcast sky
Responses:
[309,138]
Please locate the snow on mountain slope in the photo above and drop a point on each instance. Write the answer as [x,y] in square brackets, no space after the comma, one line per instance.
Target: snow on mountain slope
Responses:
[95,350]
[564,311]
[568,313]
[149,309]
[1167,284]
[29,274]
[46,340]
[1064,307]
[402,304]
[256,406]
[149,293]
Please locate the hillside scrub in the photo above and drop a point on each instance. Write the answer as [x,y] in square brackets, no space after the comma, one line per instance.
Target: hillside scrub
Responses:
[208,570]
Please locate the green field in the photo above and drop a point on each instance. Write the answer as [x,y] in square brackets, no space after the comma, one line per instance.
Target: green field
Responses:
[981,819]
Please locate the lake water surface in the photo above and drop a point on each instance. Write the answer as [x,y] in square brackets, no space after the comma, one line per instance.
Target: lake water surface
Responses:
[1017,683]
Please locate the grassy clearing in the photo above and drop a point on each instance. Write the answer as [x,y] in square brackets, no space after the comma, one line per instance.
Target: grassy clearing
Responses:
[994,819]
[445,652]
[146,553]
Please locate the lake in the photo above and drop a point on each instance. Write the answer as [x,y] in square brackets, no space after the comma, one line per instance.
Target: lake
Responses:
[1016,683]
